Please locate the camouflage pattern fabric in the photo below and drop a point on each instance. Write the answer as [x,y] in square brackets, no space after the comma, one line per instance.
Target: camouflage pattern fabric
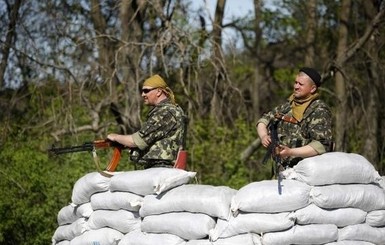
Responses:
[315,129]
[162,132]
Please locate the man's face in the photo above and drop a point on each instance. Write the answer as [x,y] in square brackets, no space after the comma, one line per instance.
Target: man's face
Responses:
[149,95]
[303,87]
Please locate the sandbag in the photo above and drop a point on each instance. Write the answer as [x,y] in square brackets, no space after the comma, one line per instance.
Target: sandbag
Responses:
[121,220]
[376,218]
[87,185]
[64,242]
[367,197]
[244,239]
[362,232]
[302,234]
[211,200]
[150,181]
[185,225]
[68,232]
[341,217]
[71,213]
[350,242]
[116,200]
[104,236]
[263,197]
[334,168]
[140,238]
[251,223]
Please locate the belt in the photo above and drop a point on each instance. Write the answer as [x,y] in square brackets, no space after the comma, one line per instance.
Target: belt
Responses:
[157,164]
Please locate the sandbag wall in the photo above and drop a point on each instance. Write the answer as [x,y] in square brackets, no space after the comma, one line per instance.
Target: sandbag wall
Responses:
[335,198]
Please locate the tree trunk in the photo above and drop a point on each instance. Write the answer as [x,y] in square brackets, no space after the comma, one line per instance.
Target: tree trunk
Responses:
[310,32]
[372,114]
[129,60]
[258,78]
[218,61]
[9,40]
[340,85]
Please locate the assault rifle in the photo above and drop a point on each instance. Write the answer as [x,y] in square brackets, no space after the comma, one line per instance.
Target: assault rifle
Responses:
[273,151]
[91,147]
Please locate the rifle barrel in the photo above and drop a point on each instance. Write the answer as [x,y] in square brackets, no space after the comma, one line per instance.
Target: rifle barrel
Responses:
[64,150]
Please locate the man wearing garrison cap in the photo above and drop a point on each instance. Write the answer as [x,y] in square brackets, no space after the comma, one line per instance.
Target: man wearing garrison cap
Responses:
[303,123]
[157,142]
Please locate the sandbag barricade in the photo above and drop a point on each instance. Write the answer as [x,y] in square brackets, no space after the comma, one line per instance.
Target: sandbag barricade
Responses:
[335,198]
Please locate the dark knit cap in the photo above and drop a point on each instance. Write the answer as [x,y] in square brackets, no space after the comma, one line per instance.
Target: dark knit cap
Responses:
[313,74]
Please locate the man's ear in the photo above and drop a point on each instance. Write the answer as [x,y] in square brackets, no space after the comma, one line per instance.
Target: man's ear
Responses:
[313,89]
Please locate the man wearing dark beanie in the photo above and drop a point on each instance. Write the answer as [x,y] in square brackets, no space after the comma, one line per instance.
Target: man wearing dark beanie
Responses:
[157,142]
[303,123]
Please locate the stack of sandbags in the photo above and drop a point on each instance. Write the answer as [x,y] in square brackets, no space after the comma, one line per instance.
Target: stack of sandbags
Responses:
[185,215]
[105,208]
[334,198]
[188,211]
[344,185]
[72,219]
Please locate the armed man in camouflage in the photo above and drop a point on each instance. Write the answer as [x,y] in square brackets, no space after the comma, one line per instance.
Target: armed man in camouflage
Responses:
[157,142]
[304,122]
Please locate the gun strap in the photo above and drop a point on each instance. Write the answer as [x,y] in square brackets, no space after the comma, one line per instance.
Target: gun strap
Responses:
[286,118]
[97,164]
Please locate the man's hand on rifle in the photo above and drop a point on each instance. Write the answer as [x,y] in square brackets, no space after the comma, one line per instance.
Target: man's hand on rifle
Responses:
[126,140]
[283,151]
[266,140]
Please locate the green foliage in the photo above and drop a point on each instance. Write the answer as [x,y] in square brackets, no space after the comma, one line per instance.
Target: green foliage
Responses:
[215,153]
[34,188]
[26,208]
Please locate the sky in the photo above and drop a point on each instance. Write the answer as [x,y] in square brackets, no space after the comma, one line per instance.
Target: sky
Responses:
[233,8]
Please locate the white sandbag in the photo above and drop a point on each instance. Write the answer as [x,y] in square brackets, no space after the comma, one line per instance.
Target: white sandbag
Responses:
[87,185]
[70,231]
[140,238]
[150,181]
[116,200]
[303,234]
[341,217]
[104,236]
[244,239]
[367,197]
[121,220]
[64,242]
[381,183]
[334,168]
[211,200]
[72,212]
[376,218]
[350,242]
[67,215]
[251,223]
[362,232]
[263,197]
[83,210]
[185,225]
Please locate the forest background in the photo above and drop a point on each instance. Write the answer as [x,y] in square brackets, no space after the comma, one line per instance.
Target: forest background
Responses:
[71,71]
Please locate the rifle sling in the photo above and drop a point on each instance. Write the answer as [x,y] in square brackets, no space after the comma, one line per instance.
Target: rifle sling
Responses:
[286,118]
[97,164]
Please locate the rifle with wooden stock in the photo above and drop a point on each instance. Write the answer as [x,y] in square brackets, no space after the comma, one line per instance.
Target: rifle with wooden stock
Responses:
[92,147]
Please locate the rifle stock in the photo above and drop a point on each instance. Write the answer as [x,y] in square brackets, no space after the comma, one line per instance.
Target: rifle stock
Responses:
[181,159]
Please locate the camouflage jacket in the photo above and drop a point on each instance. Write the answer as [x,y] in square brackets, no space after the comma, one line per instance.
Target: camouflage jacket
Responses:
[315,129]
[160,136]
